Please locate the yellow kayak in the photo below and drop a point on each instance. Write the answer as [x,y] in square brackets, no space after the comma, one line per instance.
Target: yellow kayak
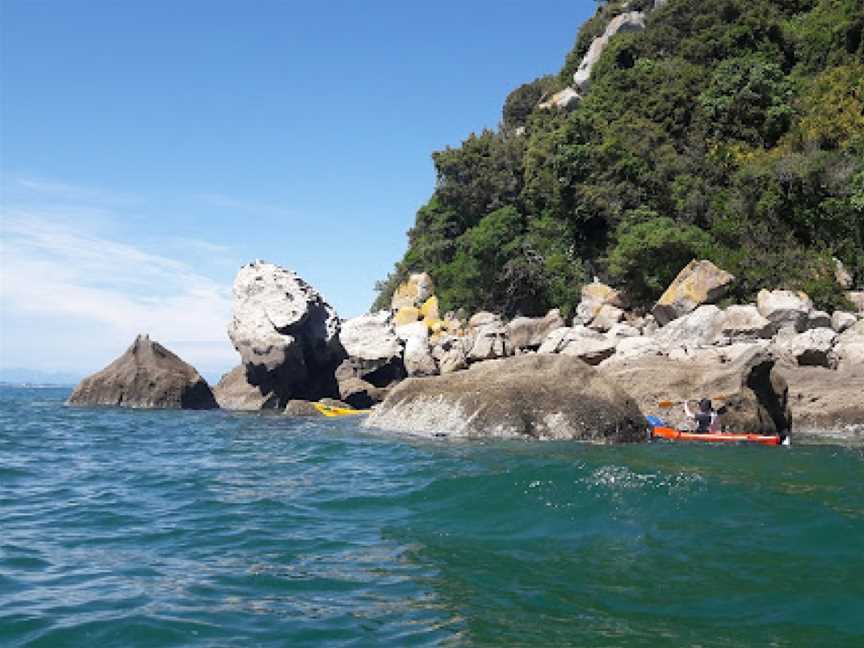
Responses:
[327,410]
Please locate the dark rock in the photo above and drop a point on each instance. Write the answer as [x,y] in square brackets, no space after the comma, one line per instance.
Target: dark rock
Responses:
[235,392]
[147,375]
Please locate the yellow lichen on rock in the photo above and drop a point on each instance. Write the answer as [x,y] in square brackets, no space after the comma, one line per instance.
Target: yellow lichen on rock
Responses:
[699,282]
[413,292]
[430,308]
[406,315]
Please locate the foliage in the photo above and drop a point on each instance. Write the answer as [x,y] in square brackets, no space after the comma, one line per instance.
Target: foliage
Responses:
[648,254]
[731,130]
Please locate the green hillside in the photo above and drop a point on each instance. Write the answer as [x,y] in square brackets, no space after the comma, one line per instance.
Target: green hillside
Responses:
[731,130]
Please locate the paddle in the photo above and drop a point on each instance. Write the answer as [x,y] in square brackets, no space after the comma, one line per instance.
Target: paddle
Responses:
[666,404]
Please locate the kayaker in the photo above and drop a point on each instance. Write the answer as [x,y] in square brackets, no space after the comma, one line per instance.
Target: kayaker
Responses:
[707,419]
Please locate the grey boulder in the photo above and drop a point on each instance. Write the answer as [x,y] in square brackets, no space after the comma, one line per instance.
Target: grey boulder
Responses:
[528,396]
[147,376]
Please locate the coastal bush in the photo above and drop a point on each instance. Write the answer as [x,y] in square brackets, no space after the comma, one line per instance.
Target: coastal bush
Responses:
[731,130]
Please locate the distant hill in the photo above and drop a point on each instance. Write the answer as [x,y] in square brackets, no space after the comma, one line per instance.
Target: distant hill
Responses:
[731,130]
[19,376]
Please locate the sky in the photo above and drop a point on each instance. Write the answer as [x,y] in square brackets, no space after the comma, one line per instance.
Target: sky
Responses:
[150,149]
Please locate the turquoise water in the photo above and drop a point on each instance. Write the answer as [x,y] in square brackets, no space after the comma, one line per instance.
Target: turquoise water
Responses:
[147,528]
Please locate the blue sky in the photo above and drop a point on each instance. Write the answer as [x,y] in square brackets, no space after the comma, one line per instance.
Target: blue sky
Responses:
[149,149]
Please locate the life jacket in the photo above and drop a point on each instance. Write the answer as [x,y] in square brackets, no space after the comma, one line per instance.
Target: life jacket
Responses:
[703,422]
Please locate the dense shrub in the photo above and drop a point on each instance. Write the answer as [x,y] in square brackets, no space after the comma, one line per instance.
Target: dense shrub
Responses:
[731,130]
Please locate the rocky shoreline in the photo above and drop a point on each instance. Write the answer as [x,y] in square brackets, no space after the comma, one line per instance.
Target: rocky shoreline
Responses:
[777,365]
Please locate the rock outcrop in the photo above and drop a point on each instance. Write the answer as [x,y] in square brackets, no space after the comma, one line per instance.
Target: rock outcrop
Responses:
[596,296]
[625,22]
[529,332]
[413,292]
[826,405]
[754,394]
[147,375]
[528,396]
[698,283]
[373,348]
[286,334]
[811,348]
[744,322]
[235,392]
[565,99]
[785,309]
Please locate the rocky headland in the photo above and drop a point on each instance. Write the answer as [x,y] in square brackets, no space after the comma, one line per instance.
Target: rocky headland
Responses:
[777,365]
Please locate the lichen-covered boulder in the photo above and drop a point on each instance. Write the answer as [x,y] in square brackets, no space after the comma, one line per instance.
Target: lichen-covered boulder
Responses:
[413,292]
[606,317]
[595,295]
[149,376]
[528,396]
[698,283]
[287,335]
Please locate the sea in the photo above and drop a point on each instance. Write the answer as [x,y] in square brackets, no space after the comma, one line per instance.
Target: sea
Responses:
[127,527]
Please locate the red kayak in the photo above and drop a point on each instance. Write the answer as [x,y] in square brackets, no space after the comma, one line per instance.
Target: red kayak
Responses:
[680,435]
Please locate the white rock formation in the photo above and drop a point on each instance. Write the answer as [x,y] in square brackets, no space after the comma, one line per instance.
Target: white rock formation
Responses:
[626,22]
[784,308]
[286,334]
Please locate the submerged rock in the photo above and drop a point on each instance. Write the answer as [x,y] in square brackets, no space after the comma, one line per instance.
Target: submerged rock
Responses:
[147,375]
[529,396]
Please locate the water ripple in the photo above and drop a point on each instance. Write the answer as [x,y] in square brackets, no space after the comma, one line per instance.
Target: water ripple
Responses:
[211,528]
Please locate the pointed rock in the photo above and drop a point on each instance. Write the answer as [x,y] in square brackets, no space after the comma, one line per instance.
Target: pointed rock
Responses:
[149,376]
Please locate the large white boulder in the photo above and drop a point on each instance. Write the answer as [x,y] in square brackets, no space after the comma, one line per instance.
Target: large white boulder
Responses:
[848,352]
[841,321]
[287,335]
[784,308]
[371,343]
[810,348]
[587,345]
[699,328]
[744,322]
[529,332]
[490,341]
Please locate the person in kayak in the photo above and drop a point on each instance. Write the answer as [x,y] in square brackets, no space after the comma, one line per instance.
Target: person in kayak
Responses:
[706,417]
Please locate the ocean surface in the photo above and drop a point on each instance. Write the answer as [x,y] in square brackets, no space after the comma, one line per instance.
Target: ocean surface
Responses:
[155,528]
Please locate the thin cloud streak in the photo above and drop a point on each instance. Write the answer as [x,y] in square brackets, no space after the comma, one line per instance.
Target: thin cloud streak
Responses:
[49,270]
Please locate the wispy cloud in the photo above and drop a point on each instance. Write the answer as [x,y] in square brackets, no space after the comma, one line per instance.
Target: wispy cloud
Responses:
[69,192]
[54,272]
[228,202]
